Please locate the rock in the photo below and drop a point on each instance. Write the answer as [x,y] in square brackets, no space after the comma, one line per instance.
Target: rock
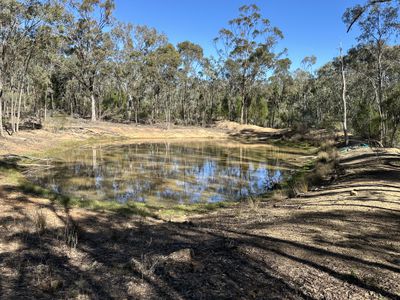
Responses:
[183,255]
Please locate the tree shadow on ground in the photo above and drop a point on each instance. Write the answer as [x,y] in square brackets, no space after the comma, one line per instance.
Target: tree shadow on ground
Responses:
[119,257]
[334,253]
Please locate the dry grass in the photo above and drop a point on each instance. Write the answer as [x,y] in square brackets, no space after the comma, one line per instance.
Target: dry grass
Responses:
[297,186]
[70,235]
[40,221]
[62,132]
[236,127]
[323,157]
[327,145]
[253,202]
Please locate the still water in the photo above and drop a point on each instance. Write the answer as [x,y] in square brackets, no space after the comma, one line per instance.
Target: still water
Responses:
[166,172]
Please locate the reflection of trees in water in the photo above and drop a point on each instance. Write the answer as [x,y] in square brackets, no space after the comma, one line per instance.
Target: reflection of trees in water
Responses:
[164,171]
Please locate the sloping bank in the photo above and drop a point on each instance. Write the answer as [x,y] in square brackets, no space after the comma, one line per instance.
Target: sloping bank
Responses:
[33,148]
[341,240]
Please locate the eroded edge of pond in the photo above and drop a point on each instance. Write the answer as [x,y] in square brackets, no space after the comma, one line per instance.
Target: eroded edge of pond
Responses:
[14,176]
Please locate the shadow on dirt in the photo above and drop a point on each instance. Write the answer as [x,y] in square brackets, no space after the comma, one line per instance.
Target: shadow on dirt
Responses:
[108,256]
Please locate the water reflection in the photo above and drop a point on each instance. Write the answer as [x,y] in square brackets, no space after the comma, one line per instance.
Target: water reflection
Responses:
[166,172]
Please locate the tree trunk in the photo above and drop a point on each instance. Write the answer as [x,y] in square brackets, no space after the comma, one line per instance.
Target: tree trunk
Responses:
[99,110]
[93,100]
[19,107]
[1,108]
[344,99]
[183,113]
[136,113]
[12,113]
[129,107]
[1,113]
[242,110]
[45,110]
[380,97]
[52,104]
[45,106]
[393,135]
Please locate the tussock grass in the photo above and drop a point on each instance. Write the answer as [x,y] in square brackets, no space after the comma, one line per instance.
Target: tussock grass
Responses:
[253,202]
[323,157]
[327,145]
[71,235]
[297,185]
[314,173]
[40,221]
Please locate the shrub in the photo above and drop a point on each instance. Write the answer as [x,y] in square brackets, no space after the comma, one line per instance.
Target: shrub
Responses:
[320,172]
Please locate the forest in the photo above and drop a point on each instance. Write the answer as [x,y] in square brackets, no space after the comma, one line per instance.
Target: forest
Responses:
[74,57]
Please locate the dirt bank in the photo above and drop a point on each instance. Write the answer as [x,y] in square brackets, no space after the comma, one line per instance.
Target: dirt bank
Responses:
[60,132]
[341,241]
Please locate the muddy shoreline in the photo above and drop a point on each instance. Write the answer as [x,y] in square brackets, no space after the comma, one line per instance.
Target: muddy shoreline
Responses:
[340,241]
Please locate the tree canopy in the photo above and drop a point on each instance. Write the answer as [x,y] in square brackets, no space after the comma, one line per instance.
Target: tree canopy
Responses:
[73,57]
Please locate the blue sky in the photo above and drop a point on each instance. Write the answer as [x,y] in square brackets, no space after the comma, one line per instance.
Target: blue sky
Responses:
[310,26]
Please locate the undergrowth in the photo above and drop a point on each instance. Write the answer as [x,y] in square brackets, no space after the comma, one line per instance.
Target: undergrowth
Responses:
[312,174]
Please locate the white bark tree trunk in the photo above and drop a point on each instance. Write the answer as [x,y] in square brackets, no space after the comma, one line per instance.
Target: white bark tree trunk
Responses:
[93,107]
[19,108]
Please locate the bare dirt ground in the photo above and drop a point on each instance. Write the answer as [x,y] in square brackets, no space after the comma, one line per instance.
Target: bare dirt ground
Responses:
[62,131]
[341,241]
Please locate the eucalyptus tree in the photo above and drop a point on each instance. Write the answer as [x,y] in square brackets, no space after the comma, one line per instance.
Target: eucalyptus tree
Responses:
[125,66]
[248,43]
[356,12]
[392,103]
[278,82]
[213,86]
[303,108]
[147,41]
[165,61]
[25,28]
[344,95]
[192,57]
[327,95]
[89,43]
[377,26]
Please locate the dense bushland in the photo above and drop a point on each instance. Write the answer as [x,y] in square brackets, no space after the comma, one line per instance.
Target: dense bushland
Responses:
[74,57]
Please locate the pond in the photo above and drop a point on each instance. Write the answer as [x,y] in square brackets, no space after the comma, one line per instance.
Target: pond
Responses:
[167,172]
